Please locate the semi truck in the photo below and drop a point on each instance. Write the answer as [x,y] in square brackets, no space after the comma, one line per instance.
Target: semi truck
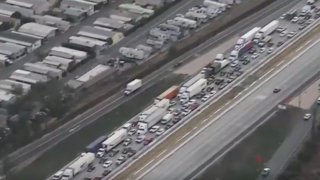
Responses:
[267,30]
[164,103]
[235,54]
[193,90]
[133,86]
[214,67]
[186,85]
[151,120]
[96,144]
[247,37]
[77,166]
[219,57]
[166,118]
[170,93]
[114,139]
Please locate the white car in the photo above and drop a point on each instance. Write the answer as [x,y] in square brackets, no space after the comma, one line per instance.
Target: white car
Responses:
[283,33]
[186,112]
[234,63]
[153,129]
[291,34]
[307,116]
[262,50]
[160,131]
[270,50]
[107,164]
[140,139]
[205,98]
[132,132]
[294,20]
[213,93]
[255,56]
[127,141]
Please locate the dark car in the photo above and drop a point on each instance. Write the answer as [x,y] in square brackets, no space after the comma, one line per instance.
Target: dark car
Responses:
[252,50]
[113,153]
[169,125]
[279,44]
[276,90]
[106,172]
[131,153]
[245,62]
[147,141]
[125,150]
[91,168]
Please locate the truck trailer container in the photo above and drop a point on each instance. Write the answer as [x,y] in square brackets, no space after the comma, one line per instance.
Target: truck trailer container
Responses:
[235,54]
[193,90]
[166,118]
[133,86]
[79,165]
[170,93]
[132,53]
[267,30]
[190,82]
[154,118]
[164,103]
[114,139]
[96,144]
[143,115]
[248,36]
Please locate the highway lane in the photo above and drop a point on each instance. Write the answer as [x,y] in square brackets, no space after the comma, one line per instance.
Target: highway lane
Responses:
[91,115]
[238,119]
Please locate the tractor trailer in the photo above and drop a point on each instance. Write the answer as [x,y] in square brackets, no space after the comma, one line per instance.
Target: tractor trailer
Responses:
[193,90]
[267,30]
[114,139]
[133,86]
[77,166]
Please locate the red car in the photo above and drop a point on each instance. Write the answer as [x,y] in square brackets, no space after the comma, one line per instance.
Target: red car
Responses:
[147,141]
[193,106]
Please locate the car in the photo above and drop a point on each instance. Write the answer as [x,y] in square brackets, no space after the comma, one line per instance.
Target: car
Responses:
[261,44]
[265,172]
[245,62]
[255,55]
[153,129]
[302,27]
[262,50]
[147,141]
[280,43]
[283,16]
[284,33]
[222,86]
[169,125]
[307,116]
[121,160]
[107,164]
[106,172]
[127,141]
[125,150]
[243,58]
[132,132]
[176,113]
[113,152]
[160,131]
[309,21]
[186,112]
[270,50]
[193,106]
[252,51]
[239,73]
[205,98]
[97,178]
[270,44]
[291,34]
[234,63]
[139,139]
[294,20]
[176,119]
[91,168]
[131,153]
[276,90]
[281,29]
[212,92]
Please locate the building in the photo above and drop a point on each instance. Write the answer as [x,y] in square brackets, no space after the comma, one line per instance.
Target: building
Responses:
[35,29]
[28,77]
[38,6]
[125,16]
[157,3]
[65,64]
[41,68]
[53,21]
[102,34]
[30,43]
[82,5]
[94,75]
[89,42]
[6,97]
[74,15]
[60,51]
[114,24]
[11,9]
[10,85]
[12,51]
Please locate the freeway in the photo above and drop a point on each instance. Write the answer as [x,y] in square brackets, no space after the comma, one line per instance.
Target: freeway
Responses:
[39,146]
[241,115]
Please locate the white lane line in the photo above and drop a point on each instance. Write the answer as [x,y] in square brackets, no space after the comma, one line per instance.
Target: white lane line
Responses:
[184,136]
[205,120]
[143,167]
[162,152]
[195,128]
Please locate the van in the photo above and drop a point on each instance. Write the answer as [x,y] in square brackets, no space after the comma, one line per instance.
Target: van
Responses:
[57,175]
[318,101]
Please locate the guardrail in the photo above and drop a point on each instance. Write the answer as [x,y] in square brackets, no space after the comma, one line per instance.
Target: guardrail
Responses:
[220,94]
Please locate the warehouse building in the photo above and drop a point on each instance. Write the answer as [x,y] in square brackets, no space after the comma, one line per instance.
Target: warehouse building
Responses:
[6,97]
[78,56]
[157,3]
[29,42]
[13,9]
[94,75]
[53,21]
[41,68]
[125,16]
[39,6]
[113,24]
[109,36]
[82,5]
[89,42]
[10,85]
[65,64]
[28,77]
[74,15]
[12,51]
[36,29]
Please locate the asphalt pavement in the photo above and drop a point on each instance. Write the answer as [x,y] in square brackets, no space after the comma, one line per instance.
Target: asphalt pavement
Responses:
[240,117]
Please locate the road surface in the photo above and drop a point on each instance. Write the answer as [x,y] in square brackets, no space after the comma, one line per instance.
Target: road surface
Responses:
[241,116]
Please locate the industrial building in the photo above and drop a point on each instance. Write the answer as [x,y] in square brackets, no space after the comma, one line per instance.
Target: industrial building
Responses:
[38,6]
[126,16]
[36,29]
[78,56]
[113,24]
[6,97]
[10,9]
[53,21]
[29,42]
[11,50]
[10,85]
[41,68]
[74,15]
[94,75]
[157,3]
[88,42]
[28,77]
[109,36]
[64,63]
[82,5]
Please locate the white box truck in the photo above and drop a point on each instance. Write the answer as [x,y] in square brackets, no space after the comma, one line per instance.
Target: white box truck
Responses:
[133,86]
[77,166]
[248,36]
[166,118]
[219,57]
[116,138]
[164,103]
[267,30]
[186,85]
[147,113]
[193,90]
[132,53]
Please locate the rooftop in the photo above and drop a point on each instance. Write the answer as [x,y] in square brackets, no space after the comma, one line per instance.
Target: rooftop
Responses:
[4,36]
[93,73]
[37,29]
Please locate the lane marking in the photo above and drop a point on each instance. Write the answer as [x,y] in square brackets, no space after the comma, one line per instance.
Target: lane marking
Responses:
[184,136]
[162,152]
[205,120]
[143,167]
